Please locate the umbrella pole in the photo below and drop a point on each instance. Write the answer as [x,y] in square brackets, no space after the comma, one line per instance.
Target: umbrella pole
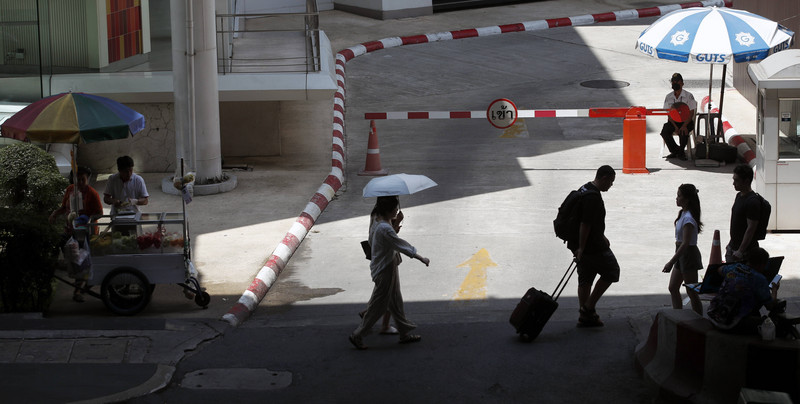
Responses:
[708,106]
[187,241]
[73,203]
[721,99]
[708,162]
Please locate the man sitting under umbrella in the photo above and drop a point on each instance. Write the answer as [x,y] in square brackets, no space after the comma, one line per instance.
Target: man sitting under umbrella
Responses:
[678,95]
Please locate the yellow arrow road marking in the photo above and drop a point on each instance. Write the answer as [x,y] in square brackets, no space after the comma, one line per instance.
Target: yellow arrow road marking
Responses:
[518,129]
[474,285]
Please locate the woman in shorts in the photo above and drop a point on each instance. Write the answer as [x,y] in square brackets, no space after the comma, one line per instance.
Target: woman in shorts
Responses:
[687,260]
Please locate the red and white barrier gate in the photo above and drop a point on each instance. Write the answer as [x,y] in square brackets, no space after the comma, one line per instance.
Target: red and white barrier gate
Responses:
[634,125]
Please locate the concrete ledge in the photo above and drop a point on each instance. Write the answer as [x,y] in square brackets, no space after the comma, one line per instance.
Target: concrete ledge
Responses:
[207,189]
[685,358]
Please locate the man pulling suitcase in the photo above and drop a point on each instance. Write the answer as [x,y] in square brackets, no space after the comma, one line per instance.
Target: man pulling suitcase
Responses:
[592,249]
[583,209]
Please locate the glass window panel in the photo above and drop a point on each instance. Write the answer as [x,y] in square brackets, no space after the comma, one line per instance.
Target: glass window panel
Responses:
[788,141]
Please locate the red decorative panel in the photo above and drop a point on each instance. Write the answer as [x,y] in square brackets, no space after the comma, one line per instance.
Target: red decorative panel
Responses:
[124,21]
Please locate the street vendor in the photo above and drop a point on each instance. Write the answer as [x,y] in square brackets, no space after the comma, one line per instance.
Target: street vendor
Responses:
[89,203]
[125,191]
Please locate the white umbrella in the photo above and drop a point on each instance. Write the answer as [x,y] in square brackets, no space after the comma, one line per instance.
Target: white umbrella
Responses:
[713,35]
[397,184]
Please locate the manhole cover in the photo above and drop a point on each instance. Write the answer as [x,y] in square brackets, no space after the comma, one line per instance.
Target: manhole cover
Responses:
[237,379]
[605,84]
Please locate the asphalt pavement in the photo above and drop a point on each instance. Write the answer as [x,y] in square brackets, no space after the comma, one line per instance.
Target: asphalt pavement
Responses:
[497,193]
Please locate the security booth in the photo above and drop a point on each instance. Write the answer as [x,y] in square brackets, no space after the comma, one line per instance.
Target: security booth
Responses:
[777,176]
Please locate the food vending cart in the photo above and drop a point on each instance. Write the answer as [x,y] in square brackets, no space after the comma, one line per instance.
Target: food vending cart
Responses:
[130,254]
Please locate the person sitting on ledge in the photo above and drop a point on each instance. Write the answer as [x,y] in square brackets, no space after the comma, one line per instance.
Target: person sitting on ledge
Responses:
[678,96]
[736,307]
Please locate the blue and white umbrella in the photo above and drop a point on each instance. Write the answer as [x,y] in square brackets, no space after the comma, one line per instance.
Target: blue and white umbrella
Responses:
[713,35]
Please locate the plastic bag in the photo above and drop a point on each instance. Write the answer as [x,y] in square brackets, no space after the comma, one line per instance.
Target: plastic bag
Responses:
[71,251]
[79,259]
[179,182]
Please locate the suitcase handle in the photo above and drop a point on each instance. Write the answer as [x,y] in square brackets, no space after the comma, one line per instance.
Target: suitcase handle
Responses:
[562,283]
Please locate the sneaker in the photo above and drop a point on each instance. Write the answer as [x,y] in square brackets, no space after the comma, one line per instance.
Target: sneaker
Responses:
[589,323]
[589,318]
[588,315]
[357,342]
[410,339]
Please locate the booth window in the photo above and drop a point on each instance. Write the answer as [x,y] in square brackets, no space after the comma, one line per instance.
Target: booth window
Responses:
[788,128]
[760,119]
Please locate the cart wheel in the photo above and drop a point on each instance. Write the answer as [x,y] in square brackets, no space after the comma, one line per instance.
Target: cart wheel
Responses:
[125,291]
[202,299]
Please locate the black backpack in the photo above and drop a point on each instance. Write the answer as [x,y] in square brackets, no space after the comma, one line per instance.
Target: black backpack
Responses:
[567,221]
[763,219]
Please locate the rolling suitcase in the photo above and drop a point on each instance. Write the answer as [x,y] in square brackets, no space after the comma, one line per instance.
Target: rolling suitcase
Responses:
[535,308]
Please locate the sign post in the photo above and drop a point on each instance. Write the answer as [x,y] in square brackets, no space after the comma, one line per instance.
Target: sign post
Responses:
[502,113]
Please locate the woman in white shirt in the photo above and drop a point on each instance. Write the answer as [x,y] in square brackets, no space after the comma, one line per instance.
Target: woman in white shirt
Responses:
[386,294]
[686,260]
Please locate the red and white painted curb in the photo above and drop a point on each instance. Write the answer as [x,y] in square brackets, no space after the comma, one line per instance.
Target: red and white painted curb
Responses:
[731,135]
[250,299]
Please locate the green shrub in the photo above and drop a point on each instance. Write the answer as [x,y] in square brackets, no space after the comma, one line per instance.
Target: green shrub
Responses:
[30,188]
[29,178]
[28,254]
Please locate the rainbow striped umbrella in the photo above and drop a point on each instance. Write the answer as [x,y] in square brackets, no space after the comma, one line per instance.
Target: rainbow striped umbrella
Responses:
[73,118]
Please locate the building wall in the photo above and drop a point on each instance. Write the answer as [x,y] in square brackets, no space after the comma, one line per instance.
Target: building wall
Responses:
[386,9]
[286,129]
[785,12]
[281,6]
[249,128]
[152,149]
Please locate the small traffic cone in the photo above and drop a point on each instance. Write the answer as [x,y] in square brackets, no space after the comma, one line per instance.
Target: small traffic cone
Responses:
[373,164]
[716,254]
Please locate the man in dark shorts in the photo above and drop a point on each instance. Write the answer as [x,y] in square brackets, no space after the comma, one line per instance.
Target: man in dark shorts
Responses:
[592,250]
[745,214]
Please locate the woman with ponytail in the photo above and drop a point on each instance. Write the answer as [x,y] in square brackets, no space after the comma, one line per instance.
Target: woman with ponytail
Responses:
[686,260]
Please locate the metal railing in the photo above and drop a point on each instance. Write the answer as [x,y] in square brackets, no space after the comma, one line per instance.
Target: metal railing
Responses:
[269,43]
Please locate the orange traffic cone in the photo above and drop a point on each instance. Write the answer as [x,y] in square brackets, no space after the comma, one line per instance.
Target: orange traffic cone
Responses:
[373,164]
[716,253]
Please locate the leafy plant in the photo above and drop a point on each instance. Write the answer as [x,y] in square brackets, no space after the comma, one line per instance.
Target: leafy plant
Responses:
[28,254]
[30,188]
[29,178]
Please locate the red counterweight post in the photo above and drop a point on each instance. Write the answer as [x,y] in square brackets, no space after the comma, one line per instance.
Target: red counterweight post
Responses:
[634,131]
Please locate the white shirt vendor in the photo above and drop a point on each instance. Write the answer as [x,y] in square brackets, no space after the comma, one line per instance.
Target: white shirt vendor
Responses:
[128,193]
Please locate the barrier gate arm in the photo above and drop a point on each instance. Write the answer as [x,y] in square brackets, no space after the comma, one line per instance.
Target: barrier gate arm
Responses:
[634,126]
[523,113]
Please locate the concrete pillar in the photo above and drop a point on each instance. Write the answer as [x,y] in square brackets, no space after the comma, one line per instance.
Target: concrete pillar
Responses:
[194,67]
